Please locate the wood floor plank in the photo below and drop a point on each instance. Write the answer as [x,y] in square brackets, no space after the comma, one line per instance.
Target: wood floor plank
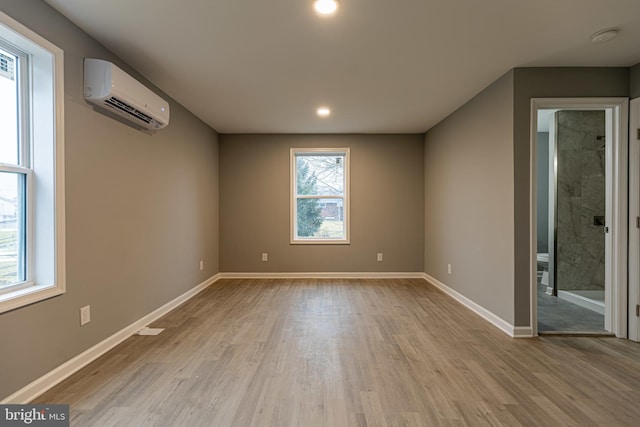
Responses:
[373,412]
[338,352]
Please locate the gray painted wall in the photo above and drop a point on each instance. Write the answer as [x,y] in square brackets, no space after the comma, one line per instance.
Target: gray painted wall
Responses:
[141,211]
[387,201]
[546,83]
[542,204]
[469,199]
[634,81]
[448,238]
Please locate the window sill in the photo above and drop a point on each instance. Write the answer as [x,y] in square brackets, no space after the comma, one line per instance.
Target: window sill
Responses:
[320,242]
[27,295]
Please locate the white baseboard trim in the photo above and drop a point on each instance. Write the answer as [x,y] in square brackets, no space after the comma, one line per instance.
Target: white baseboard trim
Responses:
[62,372]
[329,275]
[498,322]
[583,301]
[522,332]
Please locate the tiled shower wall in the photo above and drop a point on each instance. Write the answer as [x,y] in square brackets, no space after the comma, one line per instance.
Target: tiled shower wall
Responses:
[580,200]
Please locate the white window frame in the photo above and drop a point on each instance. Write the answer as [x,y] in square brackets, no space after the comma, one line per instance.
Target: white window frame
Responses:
[43,130]
[294,239]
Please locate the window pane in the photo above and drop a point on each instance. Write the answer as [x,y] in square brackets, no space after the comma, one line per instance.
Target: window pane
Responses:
[321,175]
[8,108]
[12,226]
[320,218]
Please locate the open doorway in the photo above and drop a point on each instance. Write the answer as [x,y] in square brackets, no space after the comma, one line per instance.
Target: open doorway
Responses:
[579,216]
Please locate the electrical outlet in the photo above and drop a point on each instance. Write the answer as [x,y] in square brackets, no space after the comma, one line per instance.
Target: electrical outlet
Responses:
[201,265]
[265,257]
[85,315]
[379,257]
[449,268]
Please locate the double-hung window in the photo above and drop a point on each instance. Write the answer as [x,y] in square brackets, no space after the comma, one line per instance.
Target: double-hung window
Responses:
[15,174]
[31,167]
[320,195]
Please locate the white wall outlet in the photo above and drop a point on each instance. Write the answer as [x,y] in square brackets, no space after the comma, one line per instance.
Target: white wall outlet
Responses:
[201,265]
[85,315]
[379,258]
[449,268]
[265,257]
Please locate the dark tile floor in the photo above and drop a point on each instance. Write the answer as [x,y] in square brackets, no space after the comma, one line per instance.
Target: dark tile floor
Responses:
[556,315]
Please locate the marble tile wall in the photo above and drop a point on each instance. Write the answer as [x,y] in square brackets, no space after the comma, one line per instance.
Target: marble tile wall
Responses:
[580,196]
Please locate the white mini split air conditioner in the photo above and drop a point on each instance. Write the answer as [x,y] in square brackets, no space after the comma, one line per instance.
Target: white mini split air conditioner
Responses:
[114,90]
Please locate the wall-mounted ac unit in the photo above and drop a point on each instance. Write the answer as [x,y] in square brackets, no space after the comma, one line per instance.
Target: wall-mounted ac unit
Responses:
[111,88]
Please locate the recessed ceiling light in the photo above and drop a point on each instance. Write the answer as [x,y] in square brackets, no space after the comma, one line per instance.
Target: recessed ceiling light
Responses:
[323,112]
[604,35]
[325,7]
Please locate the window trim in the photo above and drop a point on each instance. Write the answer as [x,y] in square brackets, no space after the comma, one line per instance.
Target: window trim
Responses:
[44,132]
[293,239]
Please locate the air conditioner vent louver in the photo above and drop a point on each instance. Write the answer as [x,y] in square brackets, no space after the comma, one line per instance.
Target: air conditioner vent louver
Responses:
[110,88]
[116,103]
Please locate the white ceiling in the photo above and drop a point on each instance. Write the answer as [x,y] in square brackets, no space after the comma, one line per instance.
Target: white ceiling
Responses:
[264,66]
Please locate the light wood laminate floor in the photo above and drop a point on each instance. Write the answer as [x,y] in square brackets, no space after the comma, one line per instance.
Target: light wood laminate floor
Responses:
[349,353]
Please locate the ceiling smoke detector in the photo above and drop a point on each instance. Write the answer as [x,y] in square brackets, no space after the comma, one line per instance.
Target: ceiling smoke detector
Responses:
[604,35]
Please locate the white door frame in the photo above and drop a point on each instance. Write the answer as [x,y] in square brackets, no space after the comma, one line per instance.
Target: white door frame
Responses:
[634,212]
[617,155]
